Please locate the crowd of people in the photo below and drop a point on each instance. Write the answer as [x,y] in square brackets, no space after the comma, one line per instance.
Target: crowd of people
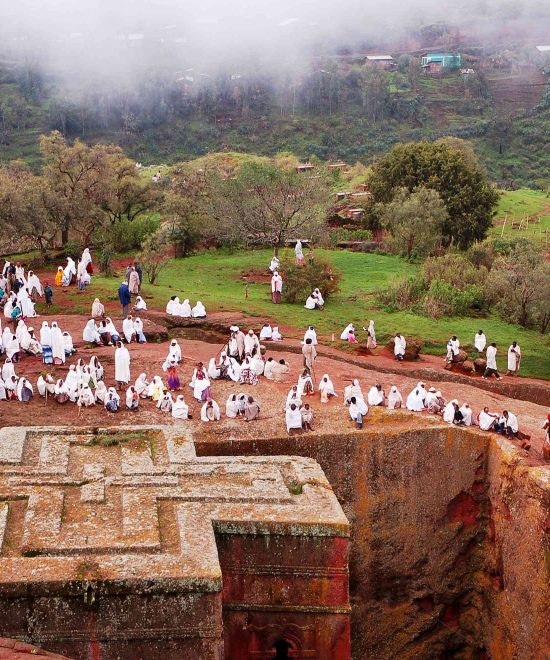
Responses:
[242,360]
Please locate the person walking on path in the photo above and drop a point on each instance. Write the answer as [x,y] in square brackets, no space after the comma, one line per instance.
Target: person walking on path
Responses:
[125,298]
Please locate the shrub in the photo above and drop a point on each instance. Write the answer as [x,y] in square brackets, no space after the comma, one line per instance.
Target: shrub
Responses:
[300,281]
[125,236]
[340,234]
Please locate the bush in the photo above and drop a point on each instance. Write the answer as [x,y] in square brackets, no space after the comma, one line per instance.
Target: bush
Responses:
[125,236]
[72,249]
[300,281]
[445,299]
[340,234]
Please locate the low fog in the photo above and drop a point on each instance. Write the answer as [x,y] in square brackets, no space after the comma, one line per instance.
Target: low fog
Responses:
[115,40]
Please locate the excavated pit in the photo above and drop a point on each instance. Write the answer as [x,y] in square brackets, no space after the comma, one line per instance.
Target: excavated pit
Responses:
[450,538]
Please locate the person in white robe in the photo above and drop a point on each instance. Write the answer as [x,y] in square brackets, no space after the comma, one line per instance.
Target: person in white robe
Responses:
[180,410]
[128,329]
[293,396]
[110,326]
[269,364]
[122,365]
[276,288]
[210,412]
[274,265]
[20,330]
[98,310]
[395,400]
[213,371]
[174,351]
[376,396]
[185,310]
[453,349]
[60,392]
[45,385]
[25,390]
[34,285]
[354,389]
[319,297]
[165,403]
[112,400]
[399,346]
[277,336]
[346,332]
[416,399]
[251,343]
[326,388]
[200,385]
[58,347]
[491,357]
[156,388]
[26,304]
[514,359]
[480,341]
[467,414]
[11,388]
[173,306]
[86,397]
[90,333]
[132,398]
[140,334]
[299,252]
[232,407]
[45,335]
[305,384]
[450,411]
[358,410]
[3,394]
[142,385]
[69,271]
[487,419]
[432,402]
[310,334]
[100,392]
[96,368]
[141,305]
[312,302]
[258,365]
[68,344]
[508,424]
[8,369]
[198,311]
[30,343]
[371,338]
[13,348]
[266,333]
[293,418]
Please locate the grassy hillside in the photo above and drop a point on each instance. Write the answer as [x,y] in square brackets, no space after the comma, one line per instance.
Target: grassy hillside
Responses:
[524,213]
[216,278]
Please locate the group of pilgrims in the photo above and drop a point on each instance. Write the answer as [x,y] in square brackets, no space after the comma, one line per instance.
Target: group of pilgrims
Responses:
[242,360]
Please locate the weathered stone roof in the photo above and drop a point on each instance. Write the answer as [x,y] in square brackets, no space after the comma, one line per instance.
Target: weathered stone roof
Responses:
[136,507]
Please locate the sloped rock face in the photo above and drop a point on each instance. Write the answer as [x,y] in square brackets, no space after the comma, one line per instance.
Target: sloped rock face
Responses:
[449,551]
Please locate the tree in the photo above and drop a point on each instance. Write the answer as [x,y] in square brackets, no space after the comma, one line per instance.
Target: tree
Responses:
[300,281]
[182,224]
[376,94]
[153,257]
[414,221]
[519,284]
[264,205]
[469,197]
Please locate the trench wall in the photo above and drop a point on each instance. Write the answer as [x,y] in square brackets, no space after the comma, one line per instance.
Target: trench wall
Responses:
[441,518]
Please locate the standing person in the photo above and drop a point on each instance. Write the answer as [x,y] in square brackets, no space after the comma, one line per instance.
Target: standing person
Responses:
[310,353]
[299,252]
[546,443]
[276,288]
[399,346]
[122,365]
[133,282]
[48,294]
[453,349]
[125,298]
[480,341]
[514,359]
[492,362]
[139,271]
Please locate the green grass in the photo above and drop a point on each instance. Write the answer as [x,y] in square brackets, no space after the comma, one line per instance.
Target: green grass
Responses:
[215,279]
[518,205]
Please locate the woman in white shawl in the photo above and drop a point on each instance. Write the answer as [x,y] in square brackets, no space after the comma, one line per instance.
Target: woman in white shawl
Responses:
[6,337]
[353,390]
[467,414]
[293,418]
[156,388]
[266,333]
[326,388]
[174,351]
[142,385]
[86,397]
[8,370]
[141,305]
[112,400]
[3,394]
[96,369]
[299,252]
[350,328]
[213,372]
[449,411]
[132,398]
[71,382]
[277,336]
[86,257]
[210,412]
[24,390]
[33,285]
[310,334]
[395,400]
[180,410]
[45,335]
[514,359]
[20,330]
[165,403]
[101,392]
[319,296]
[60,392]
[12,348]
[258,364]
[115,335]
[201,385]
[376,396]
[415,400]
[69,271]
[122,365]
[305,384]
[68,343]
[128,329]
[98,310]
[90,333]
[480,341]
[45,385]
[185,309]
[399,346]
[173,306]
[27,305]
[199,311]
[58,347]
[140,335]
[8,307]
[232,407]
[371,339]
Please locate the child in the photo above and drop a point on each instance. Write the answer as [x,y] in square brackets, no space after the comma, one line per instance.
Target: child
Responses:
[48,294]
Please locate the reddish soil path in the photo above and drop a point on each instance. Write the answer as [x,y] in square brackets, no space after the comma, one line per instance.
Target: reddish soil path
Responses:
[340,365]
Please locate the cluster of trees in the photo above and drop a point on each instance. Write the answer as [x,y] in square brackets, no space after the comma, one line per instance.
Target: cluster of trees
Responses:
[511,278]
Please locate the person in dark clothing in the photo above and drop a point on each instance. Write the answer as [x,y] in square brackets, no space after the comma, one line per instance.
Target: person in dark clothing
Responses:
[125,298]
[139,271]
[48,294]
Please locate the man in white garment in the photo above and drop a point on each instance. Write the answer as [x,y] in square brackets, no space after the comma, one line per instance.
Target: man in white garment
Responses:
[122,365]
[453,349]
[399,346]
[293,418]
[492,368]
[514,359]
[276,288]
[376,396]
[310,334]
[358,410]
[507,424]
[480,341]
